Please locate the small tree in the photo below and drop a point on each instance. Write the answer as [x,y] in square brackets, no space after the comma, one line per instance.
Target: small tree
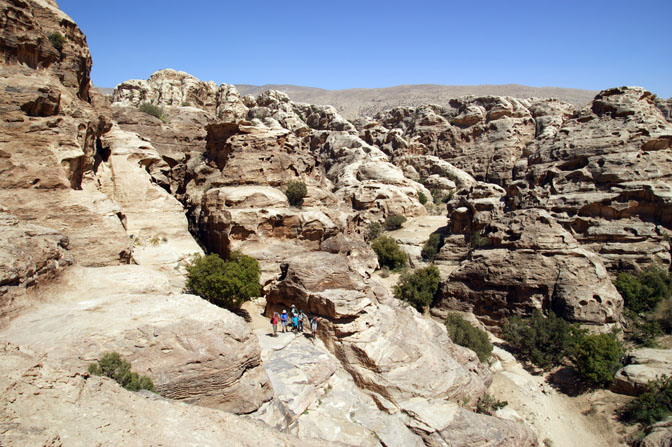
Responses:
[464,334]
[544,341]
[643,291]
[418,288]
[394,221]
[113,366]
[296,191]
[432,247]
[597,358]
[422,197]
[229,283]
[389,253]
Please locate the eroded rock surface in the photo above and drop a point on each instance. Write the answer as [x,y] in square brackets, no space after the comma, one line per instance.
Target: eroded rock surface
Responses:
[643,365]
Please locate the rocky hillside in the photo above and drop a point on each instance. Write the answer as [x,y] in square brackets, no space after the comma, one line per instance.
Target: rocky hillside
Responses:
[357,102]
[103,204]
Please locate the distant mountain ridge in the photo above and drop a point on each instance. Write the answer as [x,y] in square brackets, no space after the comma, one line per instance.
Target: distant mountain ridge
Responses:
[352,103]
[356,102]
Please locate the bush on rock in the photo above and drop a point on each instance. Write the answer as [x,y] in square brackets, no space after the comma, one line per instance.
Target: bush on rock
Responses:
[113,366]
[465,334]
[226,282]
[418,288]
[389,253]
[296,192]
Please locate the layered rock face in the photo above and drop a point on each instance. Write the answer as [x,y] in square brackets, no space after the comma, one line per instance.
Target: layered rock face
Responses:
[76,189]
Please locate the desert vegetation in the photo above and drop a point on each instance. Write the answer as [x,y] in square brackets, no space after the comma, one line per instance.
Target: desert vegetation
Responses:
[465,334]
[113,366]
[419,287]
[229,282]
[432,247]
[550,341]
[389,253]
[296,191]
[653,405]
[394,222]
[57,40]
[648,307]
[155,111]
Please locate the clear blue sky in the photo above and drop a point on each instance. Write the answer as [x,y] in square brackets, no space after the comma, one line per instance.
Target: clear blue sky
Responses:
[347,44]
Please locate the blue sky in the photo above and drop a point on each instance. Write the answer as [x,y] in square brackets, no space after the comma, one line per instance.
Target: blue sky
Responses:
[348,44]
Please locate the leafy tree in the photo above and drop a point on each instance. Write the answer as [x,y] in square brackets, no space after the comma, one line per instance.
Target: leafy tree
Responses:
[465,334]
[296,191]
[422,197]
[151,109]
[418,288]
[643,291]
[432,247]
[113,366]
[394,221]
[57,40]
[597,358]
[227,282]
[543,341]
[389,253]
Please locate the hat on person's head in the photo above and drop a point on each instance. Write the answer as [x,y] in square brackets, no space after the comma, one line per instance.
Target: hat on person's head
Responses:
[293,305]
[284,311]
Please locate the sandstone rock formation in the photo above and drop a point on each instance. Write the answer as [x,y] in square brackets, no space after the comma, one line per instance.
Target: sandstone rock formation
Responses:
[193,351]
[526,260]
[658,435]
[48,404]
[642,366]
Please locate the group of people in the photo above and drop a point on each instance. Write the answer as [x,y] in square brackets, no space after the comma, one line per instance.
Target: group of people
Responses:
[294,320]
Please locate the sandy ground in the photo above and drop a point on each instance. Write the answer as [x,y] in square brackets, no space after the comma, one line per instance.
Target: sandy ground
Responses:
[582,421]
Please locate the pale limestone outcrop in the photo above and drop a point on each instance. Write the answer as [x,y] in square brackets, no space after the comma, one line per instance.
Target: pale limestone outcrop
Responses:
[177,88]
[47,403]
[642,366]
[192,350]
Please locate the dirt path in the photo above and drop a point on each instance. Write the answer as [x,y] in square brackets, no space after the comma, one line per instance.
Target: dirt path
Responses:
[587,420]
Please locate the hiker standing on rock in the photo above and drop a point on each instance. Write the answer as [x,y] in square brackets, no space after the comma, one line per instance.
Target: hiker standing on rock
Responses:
[283,320]
[301,316]
[274,322]
[313,325]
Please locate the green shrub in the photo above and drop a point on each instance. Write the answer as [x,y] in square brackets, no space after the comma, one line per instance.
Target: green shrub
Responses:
[296,192]
[418,288]
[653,405]
[432,247]
[389,253]
[375,229]
[643,291]
[151,109]
[422,197]
[488,404]
[478,240]
[112,365]
[57,40]
[597,358]
[543,341]
[464,334]
[394,222]
[229,283]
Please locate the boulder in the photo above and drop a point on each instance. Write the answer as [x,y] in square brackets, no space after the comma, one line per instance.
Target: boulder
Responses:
[642,366]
